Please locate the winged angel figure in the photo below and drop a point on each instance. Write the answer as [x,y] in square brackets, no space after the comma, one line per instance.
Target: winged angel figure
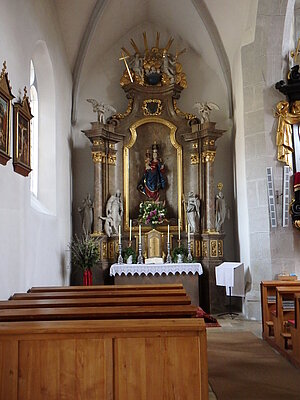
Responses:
[104,111]
[204,109]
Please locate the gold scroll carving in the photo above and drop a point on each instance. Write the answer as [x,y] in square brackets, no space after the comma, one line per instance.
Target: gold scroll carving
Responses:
[208,156]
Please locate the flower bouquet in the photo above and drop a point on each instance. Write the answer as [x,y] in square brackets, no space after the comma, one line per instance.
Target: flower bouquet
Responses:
[152,213]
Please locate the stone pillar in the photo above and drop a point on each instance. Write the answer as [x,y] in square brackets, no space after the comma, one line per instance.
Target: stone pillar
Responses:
[208,158]
[203,138]
[98,158]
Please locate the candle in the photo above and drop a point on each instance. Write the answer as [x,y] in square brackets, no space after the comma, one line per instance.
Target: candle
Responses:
[120,234]
[189,233]
[178,228]
[140,234]
[168,233]
[130,228]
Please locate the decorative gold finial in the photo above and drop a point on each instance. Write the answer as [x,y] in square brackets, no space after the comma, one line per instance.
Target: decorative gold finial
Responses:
[145,42]
[133,44]
[157,40]
[179,53]
[126,51]
[169,44]
[3,70]
[25,93]
[220,186]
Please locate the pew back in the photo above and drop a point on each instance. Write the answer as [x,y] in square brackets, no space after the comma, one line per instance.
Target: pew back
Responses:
[98,293]
[268,300]
[108,360]
[168,286]
[98,313]
[96,302]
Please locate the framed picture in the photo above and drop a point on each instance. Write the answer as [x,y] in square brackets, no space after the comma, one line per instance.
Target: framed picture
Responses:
[22,117]
[6,97]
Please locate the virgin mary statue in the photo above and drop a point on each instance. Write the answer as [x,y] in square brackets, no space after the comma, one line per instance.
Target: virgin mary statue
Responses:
[152,180]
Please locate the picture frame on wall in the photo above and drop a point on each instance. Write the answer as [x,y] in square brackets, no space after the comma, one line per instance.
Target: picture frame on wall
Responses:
[22,117]
[6,97]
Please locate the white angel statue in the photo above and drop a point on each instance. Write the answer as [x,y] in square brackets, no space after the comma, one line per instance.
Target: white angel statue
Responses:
[104,111]
[204,110]
[193,212]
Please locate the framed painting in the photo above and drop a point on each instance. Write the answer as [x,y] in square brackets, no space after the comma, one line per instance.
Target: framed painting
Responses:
[22,117]
[6,97]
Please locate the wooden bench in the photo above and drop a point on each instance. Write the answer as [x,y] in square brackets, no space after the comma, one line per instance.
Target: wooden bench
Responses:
[295,332]
[285,310]
[98,293]
[107,360]
[268,303]
[96,302]
[103,348]
[105,288]
[97,313]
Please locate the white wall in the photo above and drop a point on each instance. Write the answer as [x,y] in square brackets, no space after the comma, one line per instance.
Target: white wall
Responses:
[33,244]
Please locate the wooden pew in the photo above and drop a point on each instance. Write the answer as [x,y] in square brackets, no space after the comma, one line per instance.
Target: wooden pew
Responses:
[295,333]
[107,360]
[268,303]
[97,313]
[105,351]
[168,286]
[98,293]
[285,310]
[96,302]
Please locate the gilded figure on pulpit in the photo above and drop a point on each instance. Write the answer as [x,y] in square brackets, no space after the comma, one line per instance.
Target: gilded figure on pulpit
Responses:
[153,179]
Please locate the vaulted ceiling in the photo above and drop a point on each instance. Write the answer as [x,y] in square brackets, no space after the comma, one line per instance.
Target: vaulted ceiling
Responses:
[214,29]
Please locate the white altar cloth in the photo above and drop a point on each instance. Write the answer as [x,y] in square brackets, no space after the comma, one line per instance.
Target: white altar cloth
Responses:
[152,269]
[231,275]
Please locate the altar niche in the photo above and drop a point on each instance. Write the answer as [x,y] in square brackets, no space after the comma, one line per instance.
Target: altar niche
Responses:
[186,147]
[147,134]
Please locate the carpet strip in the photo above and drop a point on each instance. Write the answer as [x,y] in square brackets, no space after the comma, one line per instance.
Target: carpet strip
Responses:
[244,367]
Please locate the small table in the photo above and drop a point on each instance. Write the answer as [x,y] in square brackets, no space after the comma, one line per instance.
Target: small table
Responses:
[185,273]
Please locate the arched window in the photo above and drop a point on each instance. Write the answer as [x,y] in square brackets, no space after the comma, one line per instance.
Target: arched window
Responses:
[34,127]
[42,94]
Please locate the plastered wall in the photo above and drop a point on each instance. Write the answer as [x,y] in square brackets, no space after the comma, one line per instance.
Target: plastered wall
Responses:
[33,241]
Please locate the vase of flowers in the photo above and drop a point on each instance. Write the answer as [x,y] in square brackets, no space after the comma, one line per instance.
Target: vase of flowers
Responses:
[85,254]
[152,213]
[179,254]
[129,255]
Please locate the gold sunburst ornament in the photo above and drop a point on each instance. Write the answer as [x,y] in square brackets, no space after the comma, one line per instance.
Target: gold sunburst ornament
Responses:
[155,66]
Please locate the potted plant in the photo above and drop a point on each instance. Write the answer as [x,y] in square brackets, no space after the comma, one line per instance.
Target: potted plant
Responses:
[85,254]
[180,251]
[127,253]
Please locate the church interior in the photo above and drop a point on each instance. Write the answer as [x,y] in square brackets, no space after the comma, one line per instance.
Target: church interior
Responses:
[150,202]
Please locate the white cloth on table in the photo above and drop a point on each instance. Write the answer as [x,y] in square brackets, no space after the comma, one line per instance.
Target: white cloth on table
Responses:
[231,275]
[152,269]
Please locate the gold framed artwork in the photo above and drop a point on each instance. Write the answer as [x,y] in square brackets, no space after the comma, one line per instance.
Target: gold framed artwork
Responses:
[6,97]
[22,117]
[165,132]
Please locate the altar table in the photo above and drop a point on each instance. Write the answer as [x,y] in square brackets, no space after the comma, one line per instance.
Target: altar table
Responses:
[185,273]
